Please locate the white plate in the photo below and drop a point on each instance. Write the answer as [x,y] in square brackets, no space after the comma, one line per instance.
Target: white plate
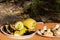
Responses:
[39,33]
[18,37]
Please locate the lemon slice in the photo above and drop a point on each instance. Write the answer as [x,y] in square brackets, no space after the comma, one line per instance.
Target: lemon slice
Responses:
[19,25]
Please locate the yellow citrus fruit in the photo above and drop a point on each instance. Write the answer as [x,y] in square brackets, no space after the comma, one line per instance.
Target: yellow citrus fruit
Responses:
[16,33]
[19,25]
[29,23]
[20,33]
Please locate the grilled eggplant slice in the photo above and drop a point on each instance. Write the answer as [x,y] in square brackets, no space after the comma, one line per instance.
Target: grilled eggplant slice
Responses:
[9,29]
[5,30]
[6,26]
[12,26]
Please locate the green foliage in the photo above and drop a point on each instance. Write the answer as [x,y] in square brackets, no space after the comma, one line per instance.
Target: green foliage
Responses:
[42,9]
